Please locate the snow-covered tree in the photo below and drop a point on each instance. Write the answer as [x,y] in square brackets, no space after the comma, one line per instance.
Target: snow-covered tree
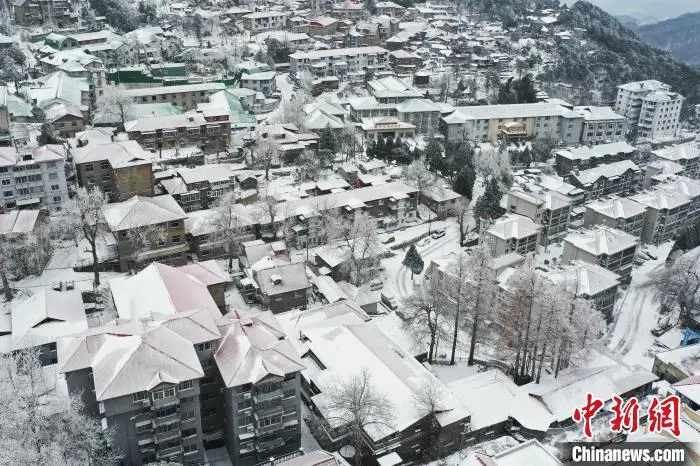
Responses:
[266,153]
[418,175]
[227,224]
[425,312]
[358,234]
[81,219]
[461,211]
[39,426]
[677,286]
[429,401]
[355,405]
[413,260]
[144,239]
[494,163]
[480,292]
[116,103]
[267,210]
[489,204]
[48,134]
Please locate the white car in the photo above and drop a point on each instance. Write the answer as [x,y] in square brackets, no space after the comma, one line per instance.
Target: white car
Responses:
[424,242]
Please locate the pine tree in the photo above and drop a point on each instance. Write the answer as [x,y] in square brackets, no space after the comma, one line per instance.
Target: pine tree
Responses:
[413,260]
[433,155]
[464,183]
[489,204]
[328,140]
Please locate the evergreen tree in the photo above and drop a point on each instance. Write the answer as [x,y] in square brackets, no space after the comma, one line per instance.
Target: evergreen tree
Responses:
[526,157]
[48,135]
[489,204]
[328,140]
[433,156]
[413,260]
[464,183]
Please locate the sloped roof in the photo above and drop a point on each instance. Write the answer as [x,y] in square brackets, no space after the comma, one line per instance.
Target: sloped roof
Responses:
[662,199]
[678,152]
[252,348]
[293,277]
[584,279]
[608,170]
[142,211]
[602,240]
[513,226]
[59,86]
[129,359]
[18,221]
[46,316]
[207,272]
[619,207]
[160,290]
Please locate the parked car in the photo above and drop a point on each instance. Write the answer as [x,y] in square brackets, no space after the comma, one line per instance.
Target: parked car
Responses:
[438,234]
[376,284]
[651,255]
[424,242]
[662,327]
[389,240]
[390,301]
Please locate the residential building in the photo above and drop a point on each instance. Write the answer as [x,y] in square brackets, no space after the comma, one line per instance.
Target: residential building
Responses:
[59,87]
[11,105]
[21,222]
[120,169]
[585,157]
[280,287]
[185,95]
[650,107]
[403,61]
[349,63]
[29,13]
[134,224]
[33,178]
[204,239]
[208,130]
[621,213]
[264,81]
[601,125]
[512,233]
[676,364]
[40,320]
[261,21]
[66,118]
[686,155]
[607,247]
[288,140]
[530,451]
[386,127]
[666,214]
[550,209]
[199,188]
[347,10]
[315,458]
[687,187]
[620,178]
[392,369]
[390,9]
[442,201]
[591,282]
[210,274]
[392,90]
[323,26]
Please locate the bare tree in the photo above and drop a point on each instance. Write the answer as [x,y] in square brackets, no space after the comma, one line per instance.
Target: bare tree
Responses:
[425,313]
[418,175]
[359,234]
[38,426]
[677,286]
[456,286]
[481,291]
[267,210]
[115,102]
[462,212]
[143,239]
[429,402]
[227,225]
[266,153]
[81,219]
[355,406]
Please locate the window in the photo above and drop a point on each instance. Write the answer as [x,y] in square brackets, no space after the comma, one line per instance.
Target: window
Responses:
[57,199]
[268,421]
[3,170]
[53,176]
[190,448]
[189,433]
[188,415]
[145,426]
[166,411]
[164,393]
[203,346]
[186,385]
[167,428]
[5,182]
[51,164]
[89,167]
[7,193]
[139,396]
[55,187]
[245,404]
[174,224]
[176,239]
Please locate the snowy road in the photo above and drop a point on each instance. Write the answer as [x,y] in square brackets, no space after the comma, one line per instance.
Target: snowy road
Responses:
[637,315]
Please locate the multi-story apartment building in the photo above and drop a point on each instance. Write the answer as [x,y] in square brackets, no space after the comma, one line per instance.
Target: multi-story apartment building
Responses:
[660,115]
[601,125]
[342,63]
[209,130]
[185,95]
[618,212]
[591,282]
[619,178]
[650,107]
[549,209]
[33,178]
[609,248]
[512,233]
[134,224]
[393,90]
[585,157]
[202,235]
[264,21]
[666,214]
[687,187]
[39,12]
[685,155]
[281,287]
[199,188]
[392,205]
[120,169]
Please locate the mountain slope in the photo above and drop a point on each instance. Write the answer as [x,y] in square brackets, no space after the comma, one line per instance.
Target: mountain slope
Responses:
[605,54]
[680,36]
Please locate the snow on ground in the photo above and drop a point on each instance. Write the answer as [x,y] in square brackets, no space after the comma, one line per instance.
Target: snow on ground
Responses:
[636,314]
[467,457]
[308,442]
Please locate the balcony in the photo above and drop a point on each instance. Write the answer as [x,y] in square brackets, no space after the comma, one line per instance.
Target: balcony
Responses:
[165,402]
[270,445]
[261,413]
[164,453]
[258,397]
[168,436]
[159,421]
[268,429]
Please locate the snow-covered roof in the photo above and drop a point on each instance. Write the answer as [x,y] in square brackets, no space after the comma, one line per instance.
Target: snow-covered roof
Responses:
[506,400]
[607,170]
[46,316]
[283,278]
[129,359]
[328,288]
[203,222]
[199,87]
[343,52]
[440,194]
[513,226]
[210,173]
[647,85]
[253,348]
[591,113]
[584,279]
[207,272]
[316,458]
[142,211]
[18,221]
[158,291]
[489,112]
[59,86]
[617,207]
[530,452]
[662,199]
[391,86]
[348,350]
[119,154]
[564,393]
[602,240]
[596,152]
[677,152]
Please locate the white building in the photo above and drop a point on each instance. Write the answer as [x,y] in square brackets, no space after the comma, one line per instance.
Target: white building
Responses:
[512,233]
[651,107]
[342,63]
[34,178]
[265,21]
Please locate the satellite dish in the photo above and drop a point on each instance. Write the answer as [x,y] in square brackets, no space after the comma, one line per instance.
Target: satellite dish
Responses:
[347,451]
